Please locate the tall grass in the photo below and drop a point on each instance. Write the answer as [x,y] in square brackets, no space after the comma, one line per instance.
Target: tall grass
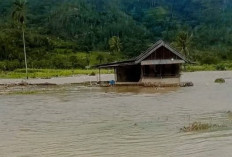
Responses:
[49,73]
[210,67]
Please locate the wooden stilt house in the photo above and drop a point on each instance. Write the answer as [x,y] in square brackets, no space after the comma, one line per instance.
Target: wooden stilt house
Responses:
[159,65]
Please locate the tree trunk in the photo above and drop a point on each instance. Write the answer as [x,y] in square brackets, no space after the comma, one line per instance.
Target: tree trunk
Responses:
[25,54]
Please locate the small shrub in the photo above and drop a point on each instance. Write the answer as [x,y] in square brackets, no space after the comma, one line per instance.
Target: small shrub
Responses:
[12,65]
[2,66]
[198,126]
[220,80]
[220,67]
[92,73]
[209,60]
[59,61]
[228,65]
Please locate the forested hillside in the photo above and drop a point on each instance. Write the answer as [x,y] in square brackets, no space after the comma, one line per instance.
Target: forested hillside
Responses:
[79,33]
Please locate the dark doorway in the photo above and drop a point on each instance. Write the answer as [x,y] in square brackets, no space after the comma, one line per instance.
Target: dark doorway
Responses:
[130,73]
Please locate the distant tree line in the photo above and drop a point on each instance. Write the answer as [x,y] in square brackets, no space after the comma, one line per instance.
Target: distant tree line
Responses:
[58,32]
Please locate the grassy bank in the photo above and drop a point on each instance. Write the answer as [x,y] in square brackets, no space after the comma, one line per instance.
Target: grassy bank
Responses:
[209,67]
[49,73]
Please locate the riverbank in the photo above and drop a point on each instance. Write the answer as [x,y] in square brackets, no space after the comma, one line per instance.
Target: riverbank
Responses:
[76,79]
[224,66]
[58,80]
[37,85]
[52,73]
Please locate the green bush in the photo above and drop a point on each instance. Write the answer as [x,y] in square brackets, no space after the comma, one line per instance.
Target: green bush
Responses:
[220,67]
[209,59]
[198,126]
[60,62]
[228,65]
[206,67]
[11,65]
[2,66]
[92,73]
[220,80]
[77,62]
[41,64]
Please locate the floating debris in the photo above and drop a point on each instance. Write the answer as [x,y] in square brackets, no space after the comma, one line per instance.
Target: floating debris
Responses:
[229,113]
[220,80]
[186,84]
[198,126]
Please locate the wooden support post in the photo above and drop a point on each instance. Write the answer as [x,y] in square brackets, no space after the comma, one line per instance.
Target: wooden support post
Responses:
[141,76]
[178,69]
[115,74]
[99,79]
[161,71]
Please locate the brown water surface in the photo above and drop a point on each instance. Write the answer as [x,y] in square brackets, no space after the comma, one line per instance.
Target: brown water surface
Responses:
[126,122]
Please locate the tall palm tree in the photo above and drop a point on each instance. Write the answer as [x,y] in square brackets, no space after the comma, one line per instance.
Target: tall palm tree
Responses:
[115,44]
[183,42]
[19,17]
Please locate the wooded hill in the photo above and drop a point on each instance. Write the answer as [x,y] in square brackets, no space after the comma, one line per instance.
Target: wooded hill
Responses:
[78,33]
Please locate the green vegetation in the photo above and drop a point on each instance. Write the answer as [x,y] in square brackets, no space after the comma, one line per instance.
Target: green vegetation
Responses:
[209,67]
[78,34]
[62,60]
[183,42]
[19,17]
[198,126]
[115,44]
[49,73]
[220,80]
[24,92]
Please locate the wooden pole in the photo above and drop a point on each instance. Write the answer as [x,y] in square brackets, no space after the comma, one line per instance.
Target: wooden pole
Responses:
[99,76]
[141,76]
[161,71]
[25,54]
[115,74]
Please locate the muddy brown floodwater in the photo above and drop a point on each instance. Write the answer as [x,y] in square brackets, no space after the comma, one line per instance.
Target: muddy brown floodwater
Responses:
[119,122]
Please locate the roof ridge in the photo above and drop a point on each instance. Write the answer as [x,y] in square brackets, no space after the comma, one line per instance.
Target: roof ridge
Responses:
[177,52]
[142,56]
[150,49]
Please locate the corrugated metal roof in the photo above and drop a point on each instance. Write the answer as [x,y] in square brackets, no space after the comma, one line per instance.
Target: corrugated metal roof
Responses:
[141,57]
[165,61]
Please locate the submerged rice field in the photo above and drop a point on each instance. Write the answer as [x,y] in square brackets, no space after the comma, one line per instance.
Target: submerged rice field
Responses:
[70,121]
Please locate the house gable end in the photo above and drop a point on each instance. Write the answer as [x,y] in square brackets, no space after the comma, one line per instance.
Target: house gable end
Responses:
[175,52]
[156,47]
[149,52]
[172,54]
[162,53]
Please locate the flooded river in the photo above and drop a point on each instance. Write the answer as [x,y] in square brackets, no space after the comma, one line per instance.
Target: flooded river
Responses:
[119,122]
